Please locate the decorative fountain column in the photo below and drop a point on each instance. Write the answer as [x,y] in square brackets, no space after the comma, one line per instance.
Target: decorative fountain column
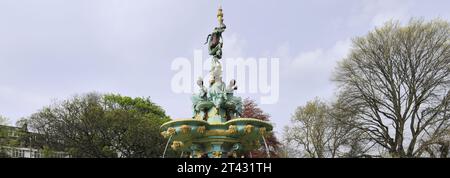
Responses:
[216,128]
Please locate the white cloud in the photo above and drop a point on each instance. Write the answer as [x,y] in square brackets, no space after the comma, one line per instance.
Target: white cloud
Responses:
[319,63]
[385,10]
[377,12]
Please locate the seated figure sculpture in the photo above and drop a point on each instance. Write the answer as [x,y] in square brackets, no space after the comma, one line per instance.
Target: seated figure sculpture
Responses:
[200,102]
[219,96]
[233,103]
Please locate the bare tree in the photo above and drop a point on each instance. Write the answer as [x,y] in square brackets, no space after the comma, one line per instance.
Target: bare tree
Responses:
[397,81]
[318,131]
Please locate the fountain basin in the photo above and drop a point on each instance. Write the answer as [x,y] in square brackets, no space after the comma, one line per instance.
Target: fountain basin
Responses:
[217,139]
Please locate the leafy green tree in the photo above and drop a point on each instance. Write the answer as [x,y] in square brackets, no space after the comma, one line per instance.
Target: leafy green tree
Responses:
[104,126]
[136,122]
[47,152]
[3,130]
[3,120]
[4,141]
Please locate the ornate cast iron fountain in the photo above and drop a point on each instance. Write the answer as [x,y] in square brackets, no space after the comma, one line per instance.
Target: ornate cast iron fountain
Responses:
[216,128]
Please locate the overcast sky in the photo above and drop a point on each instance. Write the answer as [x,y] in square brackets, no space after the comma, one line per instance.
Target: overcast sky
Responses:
[53,49]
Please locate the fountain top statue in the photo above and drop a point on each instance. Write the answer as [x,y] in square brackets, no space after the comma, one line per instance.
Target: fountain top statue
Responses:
[215,44]
[216,127]
[218,96]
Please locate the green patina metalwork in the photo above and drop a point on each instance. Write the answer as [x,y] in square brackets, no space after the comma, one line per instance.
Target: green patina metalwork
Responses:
[216,128]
